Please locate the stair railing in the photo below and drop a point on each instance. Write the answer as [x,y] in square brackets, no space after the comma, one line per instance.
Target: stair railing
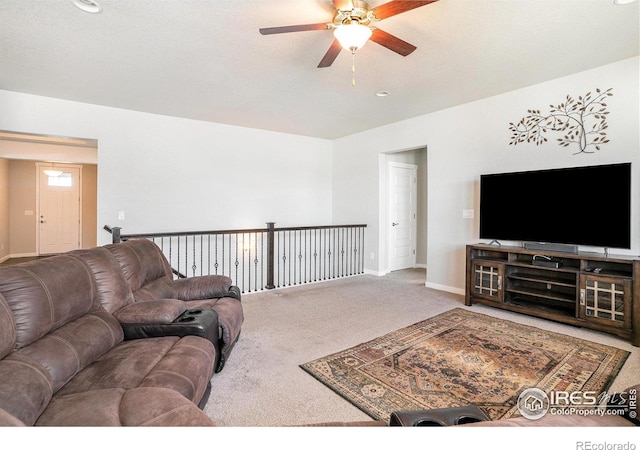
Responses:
[262,258]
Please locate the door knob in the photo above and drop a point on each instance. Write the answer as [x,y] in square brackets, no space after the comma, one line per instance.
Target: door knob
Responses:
[394,224]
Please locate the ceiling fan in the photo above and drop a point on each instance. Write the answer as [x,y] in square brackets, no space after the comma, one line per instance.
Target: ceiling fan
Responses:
[352,25]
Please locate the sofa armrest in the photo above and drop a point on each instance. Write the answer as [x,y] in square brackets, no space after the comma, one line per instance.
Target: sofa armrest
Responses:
[152,311]
[193,322]
[438,417]
[203,287]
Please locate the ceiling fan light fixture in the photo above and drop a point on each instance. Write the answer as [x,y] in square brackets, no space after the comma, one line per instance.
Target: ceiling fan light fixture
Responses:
[352,36]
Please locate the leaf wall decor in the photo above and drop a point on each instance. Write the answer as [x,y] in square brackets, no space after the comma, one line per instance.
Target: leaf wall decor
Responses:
[581,121]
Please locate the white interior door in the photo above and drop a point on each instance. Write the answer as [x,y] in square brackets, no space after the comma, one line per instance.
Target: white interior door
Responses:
[58,210]
[402,215]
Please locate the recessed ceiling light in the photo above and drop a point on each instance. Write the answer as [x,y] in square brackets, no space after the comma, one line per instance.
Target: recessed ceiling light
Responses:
[382,93]
[88,6]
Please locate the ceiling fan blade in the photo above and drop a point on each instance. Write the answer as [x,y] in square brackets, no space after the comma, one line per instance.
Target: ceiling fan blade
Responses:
[391,42]
[395,7]
[294,28]
[331,54]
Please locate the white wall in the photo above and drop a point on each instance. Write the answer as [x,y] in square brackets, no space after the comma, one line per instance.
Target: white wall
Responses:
[4,209]
[472,139]
[171,174]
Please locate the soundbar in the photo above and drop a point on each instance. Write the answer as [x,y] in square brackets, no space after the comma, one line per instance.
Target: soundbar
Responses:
[551,247]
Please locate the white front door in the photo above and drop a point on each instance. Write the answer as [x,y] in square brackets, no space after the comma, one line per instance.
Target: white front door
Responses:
[58,209]
[402,215]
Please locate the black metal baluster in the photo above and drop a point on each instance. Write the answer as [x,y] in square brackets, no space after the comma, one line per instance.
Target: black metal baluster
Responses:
[215,244]
[223,259]
[351,253]
[342,251]
[324,252]
[178,253]
[315,255]
[300,250]
[255,262]
[248,251]
[193,265]
[283,257]
[290,264]
[201,254]
[236,263]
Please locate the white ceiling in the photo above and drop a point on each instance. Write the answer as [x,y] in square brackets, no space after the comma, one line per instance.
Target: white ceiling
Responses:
[206,60]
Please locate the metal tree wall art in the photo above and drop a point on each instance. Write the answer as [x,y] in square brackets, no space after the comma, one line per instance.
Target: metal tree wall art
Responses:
[582,121]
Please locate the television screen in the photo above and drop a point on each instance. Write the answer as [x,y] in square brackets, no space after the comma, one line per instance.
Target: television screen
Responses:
[588,206]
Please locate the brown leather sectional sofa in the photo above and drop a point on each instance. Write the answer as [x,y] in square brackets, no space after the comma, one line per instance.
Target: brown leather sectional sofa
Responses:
[135,283]
[66,360]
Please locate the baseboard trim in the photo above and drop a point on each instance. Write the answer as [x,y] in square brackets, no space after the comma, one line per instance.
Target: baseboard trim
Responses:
[442,287]
[375,272]
[23,255]
[4,258]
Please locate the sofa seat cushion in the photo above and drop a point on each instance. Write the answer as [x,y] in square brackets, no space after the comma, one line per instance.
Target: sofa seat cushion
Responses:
[184,365]
[9,420]
[142,406]
[153,311]
[230,316]
[155,289]
[26,388]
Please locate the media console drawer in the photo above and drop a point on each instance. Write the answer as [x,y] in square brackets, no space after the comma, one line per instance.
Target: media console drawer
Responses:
[582,289]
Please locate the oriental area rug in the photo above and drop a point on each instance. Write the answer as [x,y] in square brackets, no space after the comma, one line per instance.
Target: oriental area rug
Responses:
[459,358]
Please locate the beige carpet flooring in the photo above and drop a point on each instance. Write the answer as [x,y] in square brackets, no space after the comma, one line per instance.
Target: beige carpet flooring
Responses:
[262,383]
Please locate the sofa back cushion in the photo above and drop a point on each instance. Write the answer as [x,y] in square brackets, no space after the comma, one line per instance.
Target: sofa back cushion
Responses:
[51,327]
[25,387]
[72,347]
[7,328]
[113,290]
[42,296]
[145,269]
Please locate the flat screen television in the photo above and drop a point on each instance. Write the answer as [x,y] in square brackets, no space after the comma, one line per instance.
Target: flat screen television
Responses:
[589,206]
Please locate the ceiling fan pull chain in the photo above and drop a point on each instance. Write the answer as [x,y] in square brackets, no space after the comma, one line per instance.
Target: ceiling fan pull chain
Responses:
[353,69]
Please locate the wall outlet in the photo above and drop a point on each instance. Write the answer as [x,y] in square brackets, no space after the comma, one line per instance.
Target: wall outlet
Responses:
[467,213]
[372,256]
[120,215]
